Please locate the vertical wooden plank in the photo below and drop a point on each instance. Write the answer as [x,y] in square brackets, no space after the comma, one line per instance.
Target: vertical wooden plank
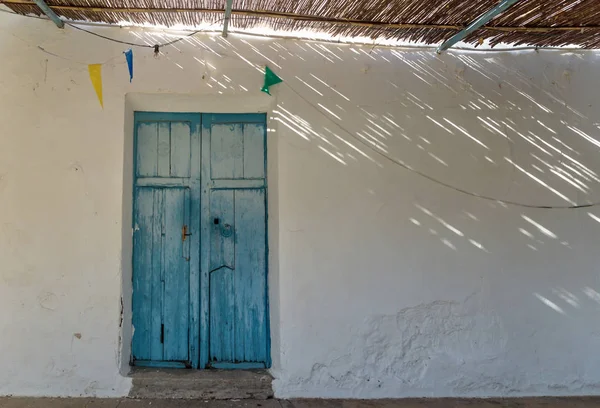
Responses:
[222,238]
[250,276]
[222,264]
[204,239]
[176,279]
[241,292]
[222,319]
[180,149]
[254,150]
[195,202]
[147,149]
[156,277]
[164,149]
[227,151]
[186,231]
[142,273]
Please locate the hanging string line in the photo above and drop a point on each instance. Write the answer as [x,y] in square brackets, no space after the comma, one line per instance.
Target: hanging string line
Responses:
[75,61]
[136,44]
[430,178]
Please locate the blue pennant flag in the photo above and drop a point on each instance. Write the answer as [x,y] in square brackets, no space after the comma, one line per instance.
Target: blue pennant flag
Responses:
[129,58]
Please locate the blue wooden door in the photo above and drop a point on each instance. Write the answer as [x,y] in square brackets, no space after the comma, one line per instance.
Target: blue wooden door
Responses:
[200,241]
[234,212]
[166,240]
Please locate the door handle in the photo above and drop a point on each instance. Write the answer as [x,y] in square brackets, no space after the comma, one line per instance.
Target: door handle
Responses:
[226,230]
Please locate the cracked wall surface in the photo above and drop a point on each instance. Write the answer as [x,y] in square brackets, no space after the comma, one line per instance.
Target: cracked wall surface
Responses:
[387,278]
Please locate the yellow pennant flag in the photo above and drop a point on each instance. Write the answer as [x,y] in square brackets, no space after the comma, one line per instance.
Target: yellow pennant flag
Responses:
[96,77]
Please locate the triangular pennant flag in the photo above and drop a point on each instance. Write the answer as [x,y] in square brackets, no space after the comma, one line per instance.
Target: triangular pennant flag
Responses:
[270,79]
[96,77]
[129,58]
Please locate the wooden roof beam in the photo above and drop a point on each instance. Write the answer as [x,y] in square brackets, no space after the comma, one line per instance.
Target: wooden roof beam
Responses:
[482,20]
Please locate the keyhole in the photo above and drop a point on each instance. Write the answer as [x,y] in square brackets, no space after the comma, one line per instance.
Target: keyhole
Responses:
[216,221]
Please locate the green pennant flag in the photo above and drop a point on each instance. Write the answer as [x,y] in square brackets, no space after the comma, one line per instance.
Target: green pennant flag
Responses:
[270,79]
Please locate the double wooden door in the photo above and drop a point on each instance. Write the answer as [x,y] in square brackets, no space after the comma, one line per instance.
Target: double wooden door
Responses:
[200,241]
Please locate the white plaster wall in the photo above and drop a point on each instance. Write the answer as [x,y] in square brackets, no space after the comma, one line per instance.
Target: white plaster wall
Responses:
[383,283]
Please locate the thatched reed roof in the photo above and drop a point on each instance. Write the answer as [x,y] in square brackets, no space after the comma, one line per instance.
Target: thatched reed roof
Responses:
[528,22]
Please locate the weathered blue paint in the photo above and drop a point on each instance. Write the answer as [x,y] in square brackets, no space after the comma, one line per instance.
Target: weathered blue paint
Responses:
[161,275]
[176,280]
[228,6]
[166,240]
[49,13]
[227,151]
[481,20]
[204,237]
[195,203]
[234,277]
[228,184]
[160,364]
[237,366]
[200,305]
[258,118]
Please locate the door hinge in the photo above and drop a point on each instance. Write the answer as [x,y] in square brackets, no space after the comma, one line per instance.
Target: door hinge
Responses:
[162,333]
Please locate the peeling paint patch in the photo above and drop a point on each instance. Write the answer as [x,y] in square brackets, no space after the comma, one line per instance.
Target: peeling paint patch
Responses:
[415,348]
[121,319]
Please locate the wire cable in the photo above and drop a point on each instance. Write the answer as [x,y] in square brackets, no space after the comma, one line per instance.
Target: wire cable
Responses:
[76,61]
[136,44]
[434,180]
[108,38]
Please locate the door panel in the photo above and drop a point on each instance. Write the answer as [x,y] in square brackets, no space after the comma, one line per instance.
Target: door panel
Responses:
[147,293]
[250,276]
[236,233]
[156,279]
[227,151]
[222,315]
[163,149]
[147,149]
[237,151]
[254,151]
[238,330]
[180,149]
[161,275]
[176,272]
[222,253]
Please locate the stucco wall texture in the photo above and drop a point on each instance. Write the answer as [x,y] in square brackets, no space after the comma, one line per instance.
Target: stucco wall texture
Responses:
[383,283]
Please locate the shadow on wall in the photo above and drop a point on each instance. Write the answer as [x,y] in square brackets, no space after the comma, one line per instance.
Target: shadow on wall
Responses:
[514,127]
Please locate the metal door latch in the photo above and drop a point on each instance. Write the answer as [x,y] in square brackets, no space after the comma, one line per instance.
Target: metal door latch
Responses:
[184,233]
[227,230]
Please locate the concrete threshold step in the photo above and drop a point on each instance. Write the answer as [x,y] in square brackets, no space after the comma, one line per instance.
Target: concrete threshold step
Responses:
[201,384]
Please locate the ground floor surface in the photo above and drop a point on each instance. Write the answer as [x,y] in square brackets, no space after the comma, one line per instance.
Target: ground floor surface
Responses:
[571,402]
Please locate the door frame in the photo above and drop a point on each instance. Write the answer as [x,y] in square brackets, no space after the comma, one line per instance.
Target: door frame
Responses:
[199,306]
